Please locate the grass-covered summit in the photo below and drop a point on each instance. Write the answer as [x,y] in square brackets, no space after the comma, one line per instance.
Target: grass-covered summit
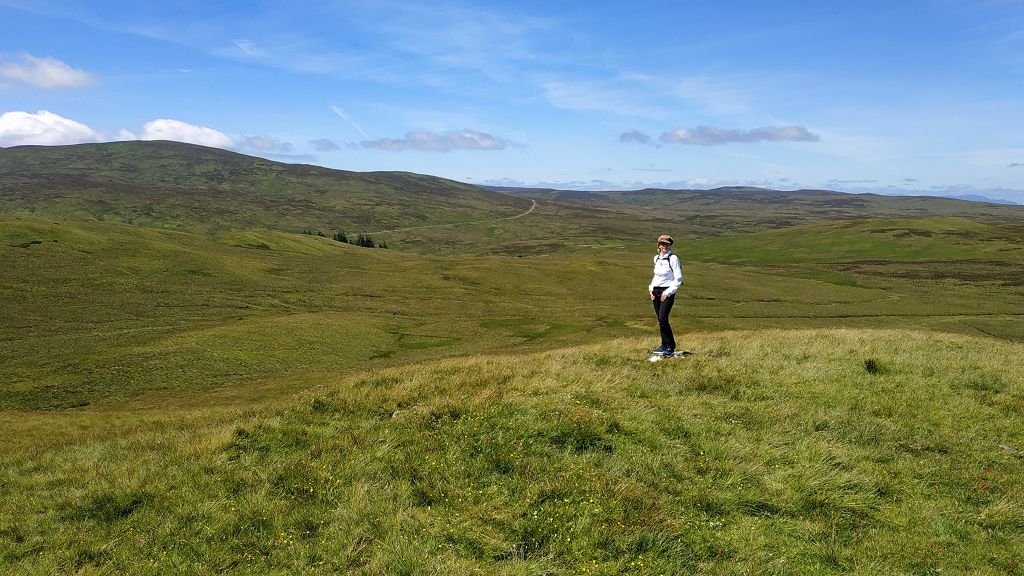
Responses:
[768,452]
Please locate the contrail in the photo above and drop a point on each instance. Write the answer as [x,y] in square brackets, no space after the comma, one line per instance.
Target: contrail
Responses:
[341,113]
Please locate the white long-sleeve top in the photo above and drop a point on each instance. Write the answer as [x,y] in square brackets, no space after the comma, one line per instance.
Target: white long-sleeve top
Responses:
[668,273]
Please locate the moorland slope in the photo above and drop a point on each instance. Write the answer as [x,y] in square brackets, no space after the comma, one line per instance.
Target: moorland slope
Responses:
[171,184]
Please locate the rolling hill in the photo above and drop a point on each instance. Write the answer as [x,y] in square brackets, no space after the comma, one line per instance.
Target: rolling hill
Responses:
[170,184]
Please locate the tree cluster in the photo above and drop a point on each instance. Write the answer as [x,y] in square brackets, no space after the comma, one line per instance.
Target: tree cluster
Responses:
[364,240]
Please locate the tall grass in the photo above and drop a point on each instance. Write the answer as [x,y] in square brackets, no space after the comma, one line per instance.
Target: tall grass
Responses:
[764,452]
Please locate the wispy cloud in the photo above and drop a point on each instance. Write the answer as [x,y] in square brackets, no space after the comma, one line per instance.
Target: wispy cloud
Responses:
[599,97]
[718,96]
[43,72]
[709,136]
[1015,164]
[435,142]
[446,36]
[341,112]
[248,48]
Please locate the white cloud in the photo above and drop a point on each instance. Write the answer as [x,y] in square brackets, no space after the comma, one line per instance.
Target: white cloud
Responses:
[48,73]
[471,139]
[324,145]
[167,129]
[274,148]
[267,143]
[44,128]
[431,141]
[634,136]
[423,140]
[709,136]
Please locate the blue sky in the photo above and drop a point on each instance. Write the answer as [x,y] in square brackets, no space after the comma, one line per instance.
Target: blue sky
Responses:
[853,96]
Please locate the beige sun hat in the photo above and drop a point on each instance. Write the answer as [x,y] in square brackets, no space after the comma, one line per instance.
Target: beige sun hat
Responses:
[666,239]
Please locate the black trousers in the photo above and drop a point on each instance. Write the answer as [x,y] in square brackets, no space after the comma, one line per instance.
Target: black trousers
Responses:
[661,310]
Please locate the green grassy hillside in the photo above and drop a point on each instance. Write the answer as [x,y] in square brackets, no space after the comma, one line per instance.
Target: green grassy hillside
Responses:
[170,184]
[775,452]
[102,311]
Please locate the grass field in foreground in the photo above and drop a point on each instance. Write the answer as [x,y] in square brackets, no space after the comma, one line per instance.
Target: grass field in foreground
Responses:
[772,452]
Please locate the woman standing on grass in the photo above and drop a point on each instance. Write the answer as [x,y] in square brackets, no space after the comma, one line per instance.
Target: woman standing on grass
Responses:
[668,276]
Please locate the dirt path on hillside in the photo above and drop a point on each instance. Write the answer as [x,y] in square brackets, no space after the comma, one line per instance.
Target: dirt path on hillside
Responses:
[527,213]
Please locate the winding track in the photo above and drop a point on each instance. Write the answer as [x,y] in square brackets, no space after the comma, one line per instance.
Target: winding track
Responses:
[534,205]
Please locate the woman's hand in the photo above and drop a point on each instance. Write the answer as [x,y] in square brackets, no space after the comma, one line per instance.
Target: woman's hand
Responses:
[652,296]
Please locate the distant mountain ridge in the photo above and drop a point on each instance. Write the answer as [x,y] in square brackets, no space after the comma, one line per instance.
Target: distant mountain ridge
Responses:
[778,208]
[986,199]
[172,184]
[591,194]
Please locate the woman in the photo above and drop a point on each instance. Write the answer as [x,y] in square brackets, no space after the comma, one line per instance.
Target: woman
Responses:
[668,276]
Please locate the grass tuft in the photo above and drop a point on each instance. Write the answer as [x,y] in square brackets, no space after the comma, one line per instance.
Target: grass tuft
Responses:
[871,366]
